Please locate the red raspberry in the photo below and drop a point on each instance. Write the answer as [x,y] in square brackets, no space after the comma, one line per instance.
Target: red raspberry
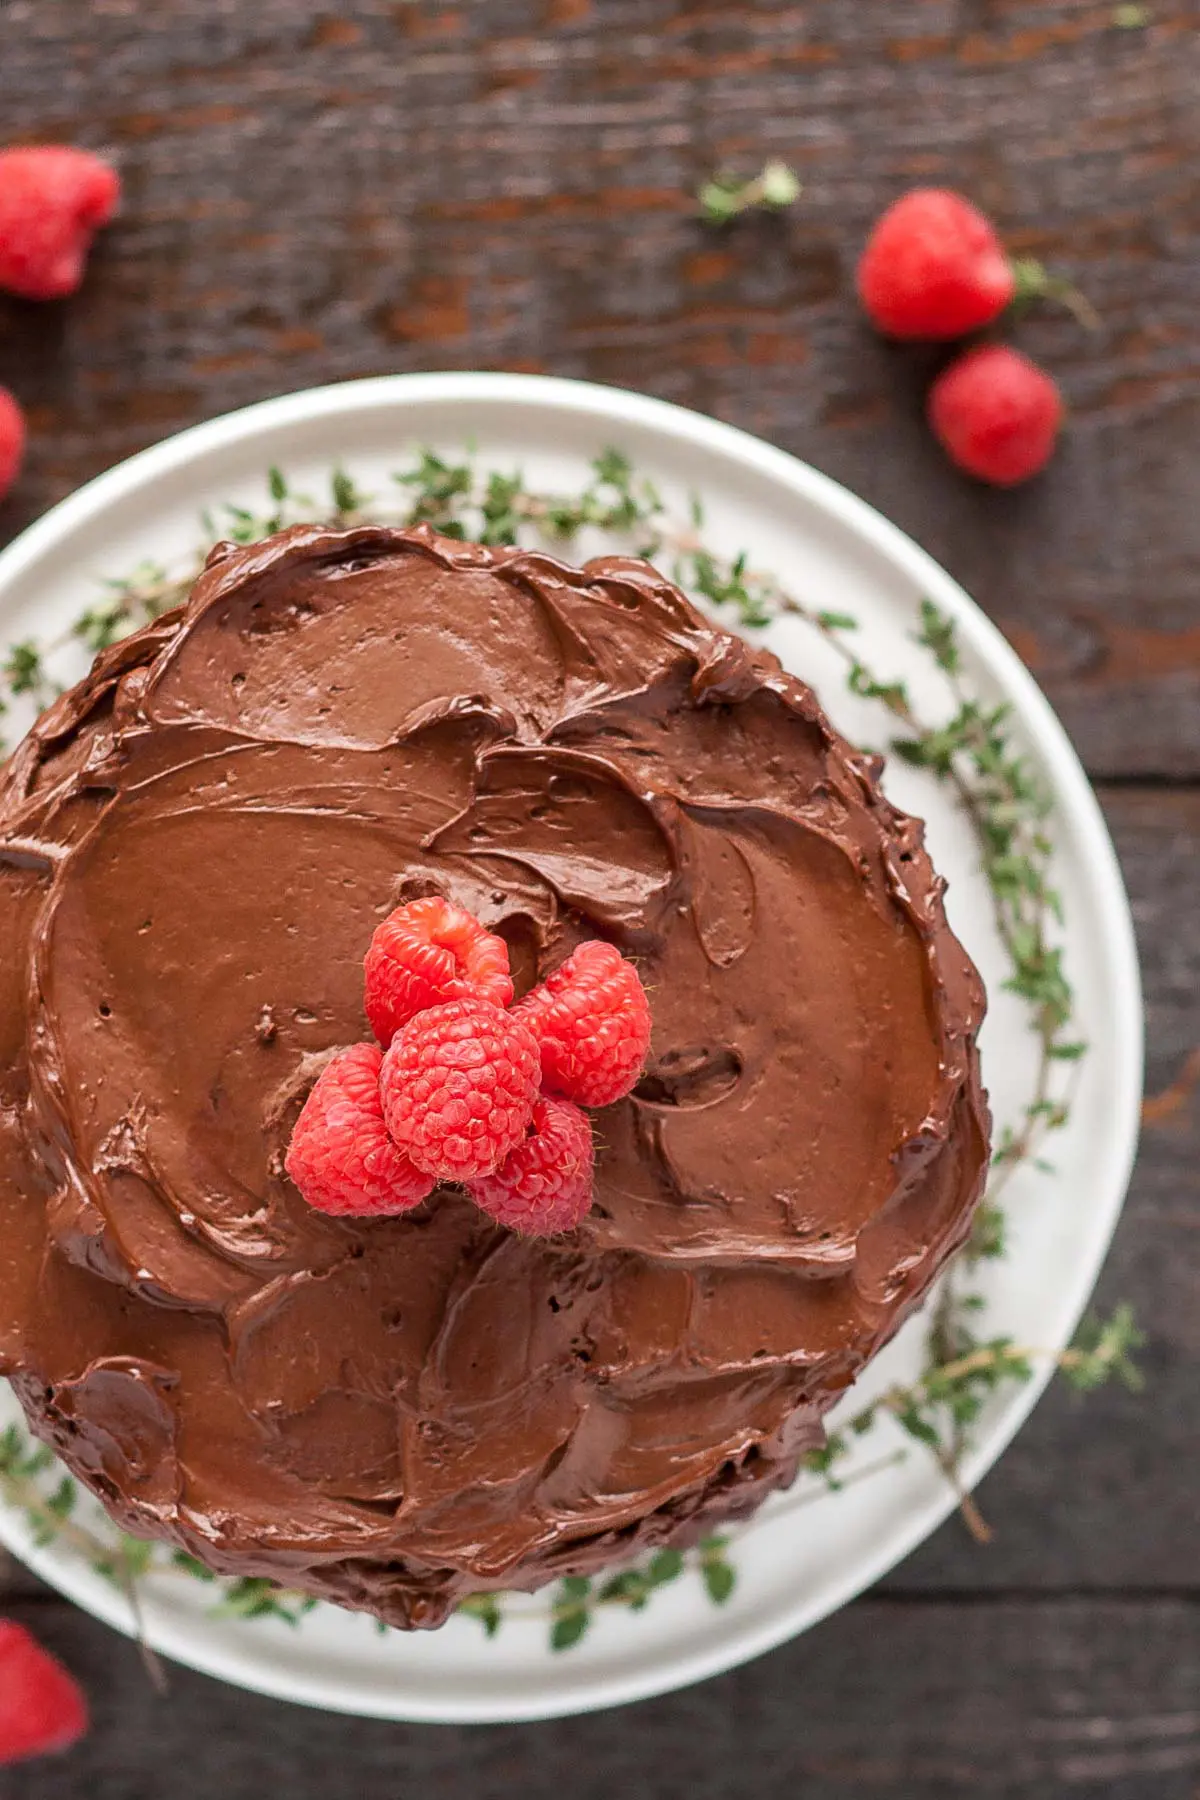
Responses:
[12,440]
[42,1707]
[426,953]
[996,414]
[591,1019]
[934,268]
[341,1157]
[545,1184]
[52,200]
[458,1087]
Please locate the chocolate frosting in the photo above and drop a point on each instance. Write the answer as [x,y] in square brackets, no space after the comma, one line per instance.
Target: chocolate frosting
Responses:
[196,844]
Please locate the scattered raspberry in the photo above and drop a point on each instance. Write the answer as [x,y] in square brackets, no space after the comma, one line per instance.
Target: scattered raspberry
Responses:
[42,1707]
[340,1156]
[425,954]
[545,1184]
[52,200]
[12,440]
[934,268]
[458,1087]
[591,1019]
[997,414]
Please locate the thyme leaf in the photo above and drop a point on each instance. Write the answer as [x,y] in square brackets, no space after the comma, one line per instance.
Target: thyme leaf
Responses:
[972,750]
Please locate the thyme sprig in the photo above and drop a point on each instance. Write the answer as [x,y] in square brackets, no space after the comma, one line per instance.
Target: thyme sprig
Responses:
[725,195]
[575,1600]
[970,749]
[964,1371]
[1034,281]
[116,1555]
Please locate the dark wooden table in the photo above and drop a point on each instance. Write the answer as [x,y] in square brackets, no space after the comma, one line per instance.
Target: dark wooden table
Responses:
[316,192]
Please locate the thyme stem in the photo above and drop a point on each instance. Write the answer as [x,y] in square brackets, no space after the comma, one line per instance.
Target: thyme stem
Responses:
[971,753]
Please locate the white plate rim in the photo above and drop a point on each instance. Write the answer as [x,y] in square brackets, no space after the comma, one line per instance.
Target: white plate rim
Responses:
[1080,816]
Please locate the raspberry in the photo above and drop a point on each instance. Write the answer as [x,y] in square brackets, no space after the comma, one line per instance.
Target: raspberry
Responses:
[426,953]
[591,1019]
[42,1707]
[934,268]
[341,1157]
[545,1184]
[12,440]
[458,1087]
[996,414]
[52,200]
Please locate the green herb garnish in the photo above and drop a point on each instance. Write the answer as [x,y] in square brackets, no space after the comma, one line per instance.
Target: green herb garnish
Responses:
[971,751]
[723,197]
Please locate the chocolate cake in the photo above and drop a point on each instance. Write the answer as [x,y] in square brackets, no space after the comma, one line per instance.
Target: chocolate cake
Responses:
[196,844]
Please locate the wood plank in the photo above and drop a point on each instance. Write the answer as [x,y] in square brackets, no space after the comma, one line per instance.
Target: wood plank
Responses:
[320,192]
[507,184]
[887,1701]
[1065,1498]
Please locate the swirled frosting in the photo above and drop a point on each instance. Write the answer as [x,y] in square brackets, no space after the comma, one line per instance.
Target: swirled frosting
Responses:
[195,846]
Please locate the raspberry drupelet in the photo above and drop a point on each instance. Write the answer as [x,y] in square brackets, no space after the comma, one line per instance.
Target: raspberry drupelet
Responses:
[53,199]
[591,1019]
[458,1086]
[341,1157]
[933,267]
[12,440]
[544,1186]
[996,414]
[426,953]
[42,1707]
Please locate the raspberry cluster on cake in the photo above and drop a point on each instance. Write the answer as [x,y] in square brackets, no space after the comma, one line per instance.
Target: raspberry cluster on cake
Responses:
[197,844]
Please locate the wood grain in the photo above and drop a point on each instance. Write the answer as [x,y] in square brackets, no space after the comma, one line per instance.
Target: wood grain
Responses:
[1103,1492]
[317,191]
[1016,1699]
[1063,1658]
